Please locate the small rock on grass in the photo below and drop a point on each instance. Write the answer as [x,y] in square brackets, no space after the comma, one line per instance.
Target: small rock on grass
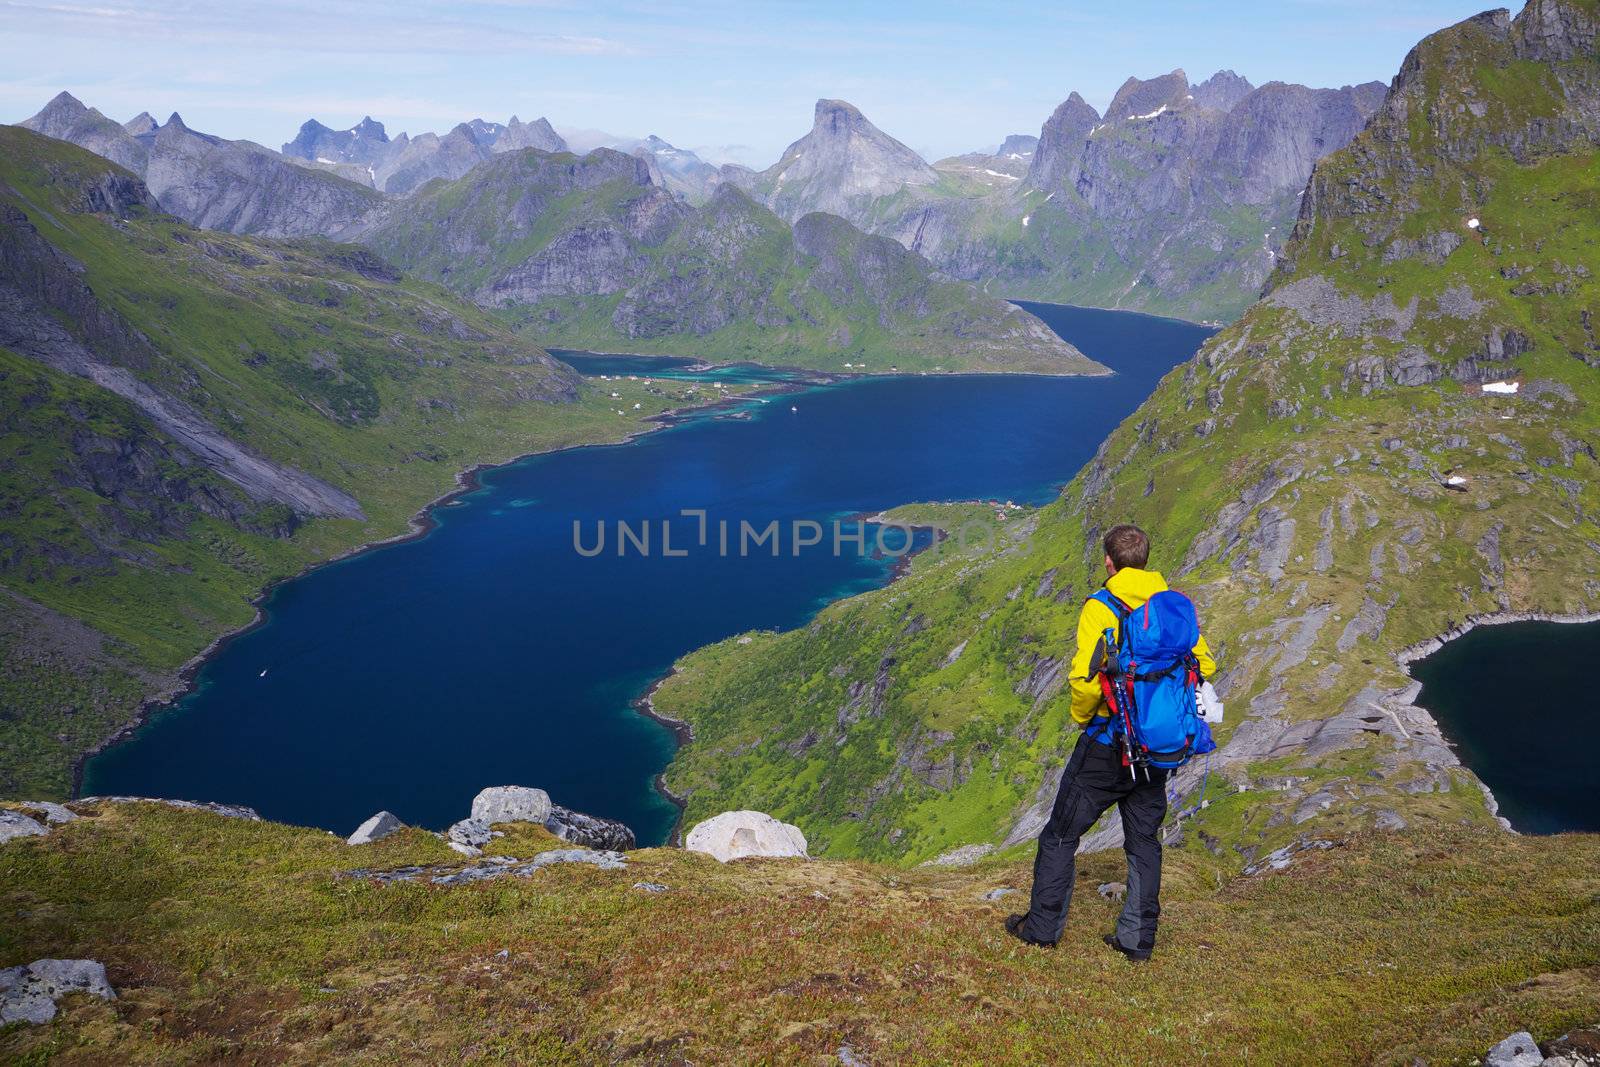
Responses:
[473,832]
[14,824]
[379,826]
[29,994]
[1518,1050]
[52,813]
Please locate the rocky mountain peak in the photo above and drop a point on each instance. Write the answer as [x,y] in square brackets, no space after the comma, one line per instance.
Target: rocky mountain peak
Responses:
[1149,97]
[536,134]
[1554,31]
[836,116]
[1019,146]
[840,127]
[844,161]
[62,105]
[141,124]
[1061,141]
[1222,90]
[364,143]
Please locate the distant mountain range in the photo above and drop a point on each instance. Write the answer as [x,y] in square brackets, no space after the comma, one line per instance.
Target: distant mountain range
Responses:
[1177,200]
[364,151]
[236,186]
[648,251]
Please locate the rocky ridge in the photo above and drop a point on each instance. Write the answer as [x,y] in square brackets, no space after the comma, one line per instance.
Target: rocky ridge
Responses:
[1176,200]
[620,264]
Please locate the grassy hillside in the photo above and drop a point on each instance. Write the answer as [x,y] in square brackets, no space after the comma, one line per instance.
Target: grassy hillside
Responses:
[231,940]
[122,553]
[586,253]
[1295,478]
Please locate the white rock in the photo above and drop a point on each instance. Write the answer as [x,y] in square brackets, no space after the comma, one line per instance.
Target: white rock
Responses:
[15,824]
[511,803]
[53,813]
[379,826]
[736,834]
[1518,1050]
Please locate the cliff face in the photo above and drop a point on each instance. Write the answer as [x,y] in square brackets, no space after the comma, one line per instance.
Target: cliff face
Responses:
[233,186]
[591,252]
[1176,200]
[842,166]
[1328,478]
[186,415]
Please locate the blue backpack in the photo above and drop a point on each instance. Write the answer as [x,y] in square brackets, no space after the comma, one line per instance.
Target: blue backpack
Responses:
[1150,679]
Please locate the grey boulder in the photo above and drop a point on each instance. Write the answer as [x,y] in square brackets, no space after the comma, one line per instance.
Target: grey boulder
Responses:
[1518,1050]
[737,834]
[379,826]
[14,824]
[474,833]
[590,831]
[511,803]
[53,813]
[29,994]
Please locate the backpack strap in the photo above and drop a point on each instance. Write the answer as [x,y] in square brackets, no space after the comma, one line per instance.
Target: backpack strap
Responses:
[1102,727]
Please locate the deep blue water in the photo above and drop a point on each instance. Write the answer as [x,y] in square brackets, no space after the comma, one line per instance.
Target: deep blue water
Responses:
[490,652]
[1518,703]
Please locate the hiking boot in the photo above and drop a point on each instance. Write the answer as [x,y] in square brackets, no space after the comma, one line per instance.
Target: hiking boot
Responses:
[1134,954]
[1014,928]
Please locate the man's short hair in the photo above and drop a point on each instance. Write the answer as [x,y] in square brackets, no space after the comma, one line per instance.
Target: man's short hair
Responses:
[1128,546]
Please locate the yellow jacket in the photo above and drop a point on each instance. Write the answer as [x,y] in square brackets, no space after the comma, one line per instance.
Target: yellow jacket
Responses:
[1133,587]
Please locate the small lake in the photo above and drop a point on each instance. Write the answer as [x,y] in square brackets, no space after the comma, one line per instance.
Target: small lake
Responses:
[491,651]
[1518,703]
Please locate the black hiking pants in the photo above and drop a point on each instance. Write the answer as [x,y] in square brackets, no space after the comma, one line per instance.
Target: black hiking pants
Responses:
[1094,780]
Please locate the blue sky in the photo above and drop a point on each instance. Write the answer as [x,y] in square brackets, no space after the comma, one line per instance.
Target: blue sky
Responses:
[730,80]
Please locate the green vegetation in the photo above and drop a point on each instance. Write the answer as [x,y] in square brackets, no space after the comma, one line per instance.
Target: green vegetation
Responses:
[1290,484]
[230,940]
[584,253]
[120,556]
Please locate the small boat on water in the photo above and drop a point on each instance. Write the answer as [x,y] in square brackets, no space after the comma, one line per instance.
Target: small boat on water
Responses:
[263,673]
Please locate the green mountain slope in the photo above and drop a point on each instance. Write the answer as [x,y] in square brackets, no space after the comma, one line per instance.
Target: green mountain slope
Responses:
[187,416]
[587,253]
[1327,477]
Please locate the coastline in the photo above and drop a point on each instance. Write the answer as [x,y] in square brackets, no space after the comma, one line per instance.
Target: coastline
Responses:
[1423,649]
[421,523]
[683,731]
[184,680]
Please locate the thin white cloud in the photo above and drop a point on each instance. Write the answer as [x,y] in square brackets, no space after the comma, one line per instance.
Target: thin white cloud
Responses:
[258,26]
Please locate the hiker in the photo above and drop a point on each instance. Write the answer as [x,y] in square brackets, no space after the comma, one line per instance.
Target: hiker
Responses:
[1104,768]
